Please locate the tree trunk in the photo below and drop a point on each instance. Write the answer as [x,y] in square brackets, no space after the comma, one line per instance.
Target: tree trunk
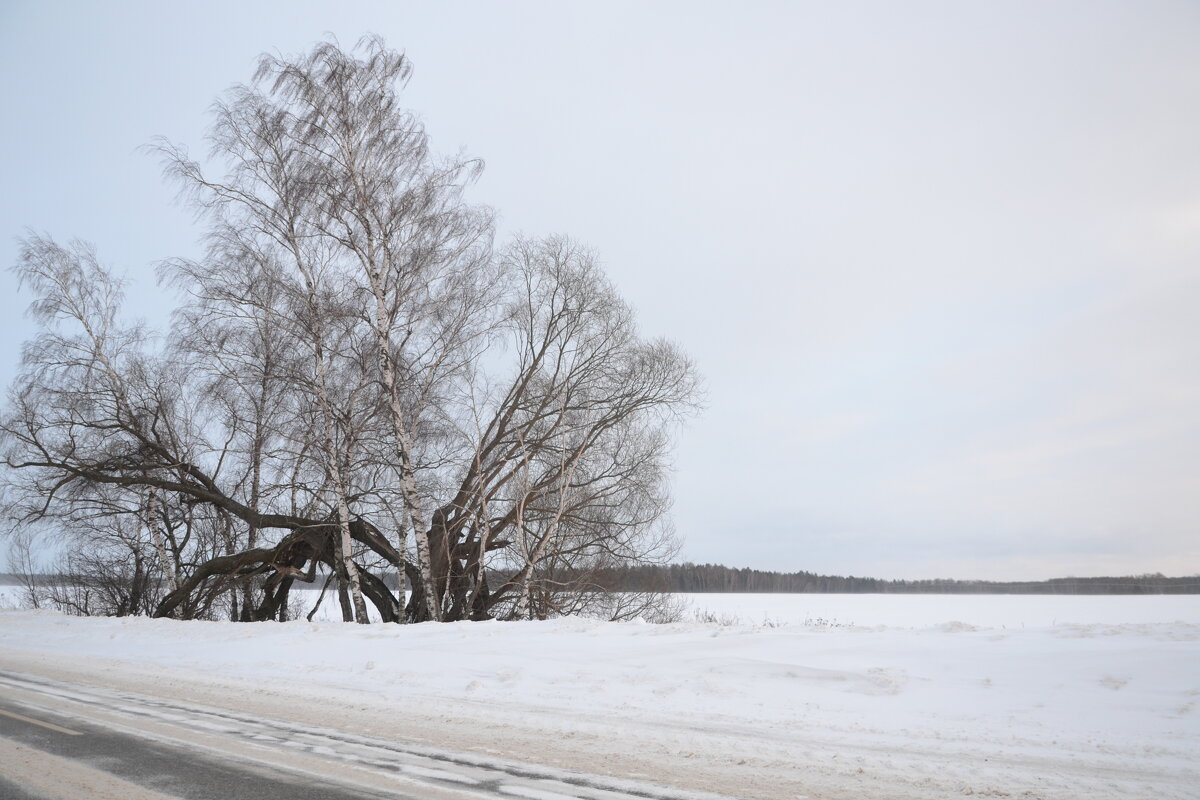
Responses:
[160,547]
[408,480]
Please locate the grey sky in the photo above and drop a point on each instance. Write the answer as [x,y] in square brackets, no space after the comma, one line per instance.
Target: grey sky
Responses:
[937,261]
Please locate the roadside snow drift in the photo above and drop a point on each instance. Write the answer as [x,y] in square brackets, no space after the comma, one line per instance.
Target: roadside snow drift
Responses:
[1066,710]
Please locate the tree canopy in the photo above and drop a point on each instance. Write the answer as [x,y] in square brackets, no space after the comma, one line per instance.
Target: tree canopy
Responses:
[359,388]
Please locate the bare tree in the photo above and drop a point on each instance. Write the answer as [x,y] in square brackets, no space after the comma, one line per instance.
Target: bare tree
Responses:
[355,381]
[575,457]
[25,565]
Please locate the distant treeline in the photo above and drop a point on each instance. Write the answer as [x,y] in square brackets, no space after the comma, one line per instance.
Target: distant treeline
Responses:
[701,578]
[717,578]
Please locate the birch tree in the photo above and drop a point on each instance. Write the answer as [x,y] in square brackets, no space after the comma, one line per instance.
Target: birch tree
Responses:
[357,380]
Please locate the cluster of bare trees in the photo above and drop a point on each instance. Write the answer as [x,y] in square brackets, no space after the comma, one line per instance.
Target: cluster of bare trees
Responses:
[359,389]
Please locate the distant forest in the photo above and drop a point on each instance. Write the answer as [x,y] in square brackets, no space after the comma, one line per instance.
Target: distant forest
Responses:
[702,578]
[718,578]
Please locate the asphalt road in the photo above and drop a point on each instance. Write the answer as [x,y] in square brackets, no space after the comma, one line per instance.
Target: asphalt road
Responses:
[169,769]
[66,740]
[13,791]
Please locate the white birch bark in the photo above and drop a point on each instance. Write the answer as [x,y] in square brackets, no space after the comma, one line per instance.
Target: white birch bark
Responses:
[324,406]
[160,544]
[408,480]
[339,489]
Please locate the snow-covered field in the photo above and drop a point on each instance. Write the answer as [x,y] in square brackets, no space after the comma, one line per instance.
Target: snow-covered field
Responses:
[825,696]
[928,610]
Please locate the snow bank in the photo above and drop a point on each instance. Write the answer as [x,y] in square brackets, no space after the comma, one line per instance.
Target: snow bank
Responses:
[1058,710]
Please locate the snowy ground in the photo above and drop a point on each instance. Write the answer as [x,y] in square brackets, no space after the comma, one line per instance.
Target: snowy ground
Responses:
[825,696]
[928,610]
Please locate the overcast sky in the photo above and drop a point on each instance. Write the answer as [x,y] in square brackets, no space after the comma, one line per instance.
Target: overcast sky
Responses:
[939,263]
